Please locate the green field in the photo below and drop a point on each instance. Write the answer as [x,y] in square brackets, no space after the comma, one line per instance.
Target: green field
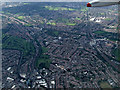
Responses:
[43,61]
[52,24]
[71,24]
[58,8]
[12,42]
[44,49]
[62,20]
[108,19]
[84,9]
[53,33]
[113,39]
[78,18]
[8,13]
[102,13]
[21,17]
[1,11]
[104,84]
[99,32]
[67,21]
[28,25]
[56,33]
[116,52]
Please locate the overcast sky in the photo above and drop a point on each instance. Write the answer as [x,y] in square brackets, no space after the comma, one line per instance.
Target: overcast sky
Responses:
[44,0]
[57,0]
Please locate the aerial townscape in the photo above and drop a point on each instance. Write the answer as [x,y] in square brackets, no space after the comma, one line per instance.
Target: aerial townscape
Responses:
[59,45]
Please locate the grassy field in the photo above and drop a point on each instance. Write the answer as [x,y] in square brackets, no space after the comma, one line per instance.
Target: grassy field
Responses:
[53,33]
[117,53]
[71,24]
[102,13]
[108,19]
[62,20]
[113,39]
[44,49]
[1,11]
[58,8]
[99,32]
[52,24]
[84,9]
[66,21]
[43,61]
[12,42]
[56,33]
[104,84]
[78,18]
[28,25]
[20,17]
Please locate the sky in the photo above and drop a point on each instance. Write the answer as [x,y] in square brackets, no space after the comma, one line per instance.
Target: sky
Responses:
[44,0]
[57,0]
